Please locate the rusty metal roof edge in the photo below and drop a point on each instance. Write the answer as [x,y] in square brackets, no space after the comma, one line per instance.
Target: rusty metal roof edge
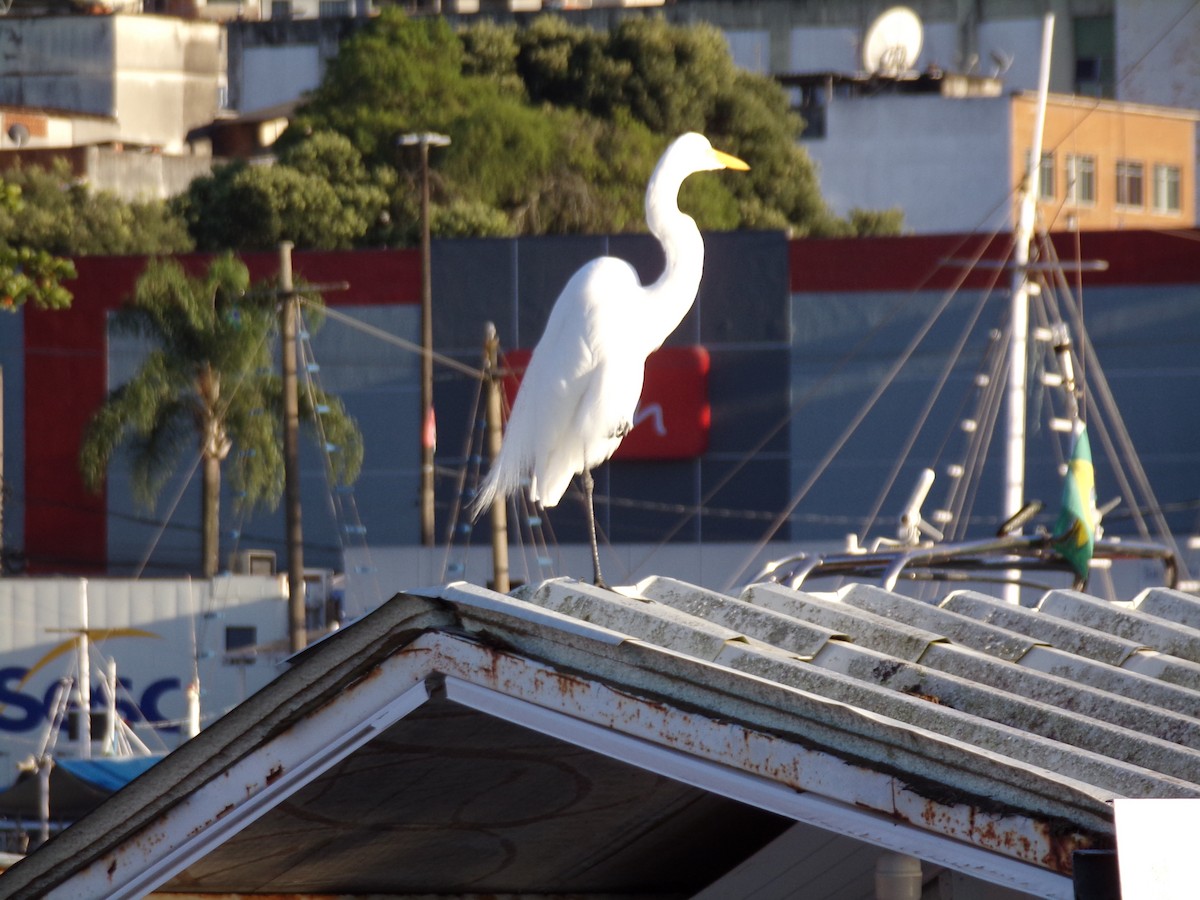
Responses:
[1113,776]
[669,675]
[960,807]
[319,677]
[889,830]
[607,656]
[330,671]
[264,769]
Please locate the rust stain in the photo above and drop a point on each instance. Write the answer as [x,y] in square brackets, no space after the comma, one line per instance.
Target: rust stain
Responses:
[1061,844]
[915,691]
[275,773]
[112,869]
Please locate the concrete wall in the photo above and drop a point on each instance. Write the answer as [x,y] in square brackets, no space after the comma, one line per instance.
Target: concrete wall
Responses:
[169,78]
[276,61]
[156,77]
[944,162]
[143,176]
[1157,59]
[130,174]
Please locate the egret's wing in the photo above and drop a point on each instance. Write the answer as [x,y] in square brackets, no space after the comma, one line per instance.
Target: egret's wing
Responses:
[548,433]
[574,402]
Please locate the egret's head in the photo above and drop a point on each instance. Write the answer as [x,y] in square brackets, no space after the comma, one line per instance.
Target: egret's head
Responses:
[696,154]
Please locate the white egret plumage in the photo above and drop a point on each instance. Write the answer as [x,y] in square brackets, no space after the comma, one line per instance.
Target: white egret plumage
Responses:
[581,387]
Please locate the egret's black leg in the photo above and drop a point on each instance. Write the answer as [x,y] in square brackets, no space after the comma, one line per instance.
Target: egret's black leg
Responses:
[588,486]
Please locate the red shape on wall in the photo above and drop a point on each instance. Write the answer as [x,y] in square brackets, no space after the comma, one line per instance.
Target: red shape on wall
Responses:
[673,416]
[66,374]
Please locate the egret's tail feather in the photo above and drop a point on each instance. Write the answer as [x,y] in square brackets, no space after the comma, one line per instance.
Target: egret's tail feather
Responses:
[483,499]
[502,480]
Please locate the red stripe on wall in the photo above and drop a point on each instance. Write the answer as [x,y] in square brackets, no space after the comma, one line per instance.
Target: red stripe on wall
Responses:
[66,380]
[933,262]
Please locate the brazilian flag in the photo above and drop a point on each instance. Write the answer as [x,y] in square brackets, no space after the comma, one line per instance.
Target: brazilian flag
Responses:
[1075,531]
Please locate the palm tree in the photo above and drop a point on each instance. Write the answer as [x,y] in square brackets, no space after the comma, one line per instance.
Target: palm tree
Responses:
[207,387]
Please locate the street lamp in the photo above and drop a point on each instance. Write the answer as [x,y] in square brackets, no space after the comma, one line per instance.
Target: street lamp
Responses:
[424,141]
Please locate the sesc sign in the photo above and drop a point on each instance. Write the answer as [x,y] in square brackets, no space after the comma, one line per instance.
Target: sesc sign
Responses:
[22,711]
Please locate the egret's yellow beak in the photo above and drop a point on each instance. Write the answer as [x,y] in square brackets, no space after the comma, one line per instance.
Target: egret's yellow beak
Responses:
[730,162]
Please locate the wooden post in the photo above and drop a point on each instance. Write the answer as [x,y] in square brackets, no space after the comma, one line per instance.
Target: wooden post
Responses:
[297,618]
[499,511]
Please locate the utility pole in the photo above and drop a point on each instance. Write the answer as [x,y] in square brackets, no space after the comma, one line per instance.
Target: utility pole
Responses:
[428,429]
[499,511]
[297,617]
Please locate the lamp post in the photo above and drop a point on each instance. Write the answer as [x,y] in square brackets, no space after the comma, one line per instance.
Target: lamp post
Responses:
[425,140]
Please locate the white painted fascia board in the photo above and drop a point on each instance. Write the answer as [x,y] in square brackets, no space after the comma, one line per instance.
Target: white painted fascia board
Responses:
[765,794]
[253,786]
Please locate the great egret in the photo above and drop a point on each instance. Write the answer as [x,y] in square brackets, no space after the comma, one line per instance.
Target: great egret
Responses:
[581,388]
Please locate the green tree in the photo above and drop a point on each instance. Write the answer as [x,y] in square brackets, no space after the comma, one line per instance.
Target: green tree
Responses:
[29,273]
[554,129]
[206,387]
[318,195]
[397,74]
[61,215]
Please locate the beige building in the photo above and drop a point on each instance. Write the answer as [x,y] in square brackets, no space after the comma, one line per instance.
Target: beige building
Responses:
[952,154]
[1108,165]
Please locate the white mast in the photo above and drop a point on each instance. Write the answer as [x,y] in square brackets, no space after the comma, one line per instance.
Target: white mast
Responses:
[1014,467]
[84,708]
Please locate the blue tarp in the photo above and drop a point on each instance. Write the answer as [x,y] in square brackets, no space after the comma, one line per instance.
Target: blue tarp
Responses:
[108,774]
[76,786]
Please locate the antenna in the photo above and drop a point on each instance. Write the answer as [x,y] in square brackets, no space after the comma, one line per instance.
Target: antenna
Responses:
[893,42]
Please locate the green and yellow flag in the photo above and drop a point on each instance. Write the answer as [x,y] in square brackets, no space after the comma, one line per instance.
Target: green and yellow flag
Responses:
[1075,531]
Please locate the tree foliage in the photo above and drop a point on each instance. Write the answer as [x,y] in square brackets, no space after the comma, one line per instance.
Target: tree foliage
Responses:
[207,388]
[62,215]
[29,274]
[47,214]
[555,128]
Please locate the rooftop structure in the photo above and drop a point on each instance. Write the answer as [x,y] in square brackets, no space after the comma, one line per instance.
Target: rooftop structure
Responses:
[951,153]
[668,741]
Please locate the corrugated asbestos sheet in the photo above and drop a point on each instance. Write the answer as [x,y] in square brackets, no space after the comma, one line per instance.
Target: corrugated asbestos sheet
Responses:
[665,740]
[1079,698]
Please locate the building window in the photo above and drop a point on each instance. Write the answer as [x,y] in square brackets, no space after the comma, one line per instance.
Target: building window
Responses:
[333,9]
[1166,189]
[1045,174]
[1080,172]
[1130,176]
[240,637]
[1046,177]
[1095,55]
[281,9]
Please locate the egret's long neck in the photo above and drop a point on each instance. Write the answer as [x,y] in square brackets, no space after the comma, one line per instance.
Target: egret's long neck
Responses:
[673,294]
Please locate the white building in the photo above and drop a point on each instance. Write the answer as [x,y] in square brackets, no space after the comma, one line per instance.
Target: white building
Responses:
[154,78]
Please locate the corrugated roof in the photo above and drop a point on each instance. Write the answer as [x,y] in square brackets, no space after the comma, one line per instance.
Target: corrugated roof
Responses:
[986,739]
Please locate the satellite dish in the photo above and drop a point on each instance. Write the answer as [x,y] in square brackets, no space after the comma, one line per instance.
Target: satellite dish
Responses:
[18,133]
[893,42]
